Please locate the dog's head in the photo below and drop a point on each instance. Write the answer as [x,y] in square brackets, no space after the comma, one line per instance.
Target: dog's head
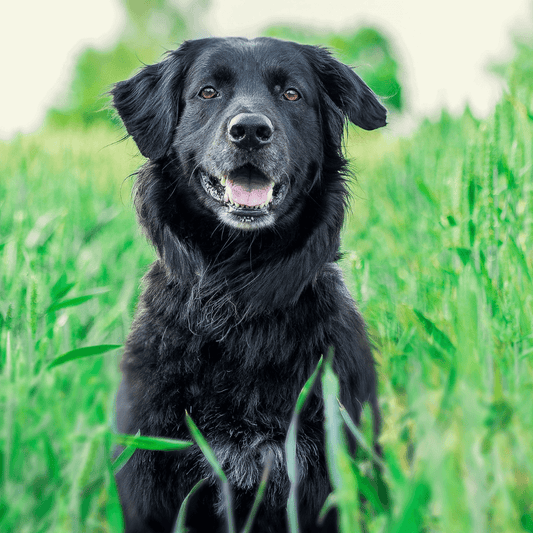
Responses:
[249,125]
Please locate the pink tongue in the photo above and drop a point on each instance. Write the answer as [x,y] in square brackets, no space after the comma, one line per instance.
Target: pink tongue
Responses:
[248,196]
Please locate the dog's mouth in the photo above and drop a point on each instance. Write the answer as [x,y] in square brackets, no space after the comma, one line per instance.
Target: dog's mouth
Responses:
[246,191]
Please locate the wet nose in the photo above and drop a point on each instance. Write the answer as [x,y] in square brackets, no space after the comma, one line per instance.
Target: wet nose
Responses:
[250,130]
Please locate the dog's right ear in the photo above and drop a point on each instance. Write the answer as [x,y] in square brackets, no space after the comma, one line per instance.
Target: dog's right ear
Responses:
[148,102]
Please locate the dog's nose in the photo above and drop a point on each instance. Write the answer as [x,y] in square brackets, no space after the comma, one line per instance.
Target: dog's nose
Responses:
[250,130]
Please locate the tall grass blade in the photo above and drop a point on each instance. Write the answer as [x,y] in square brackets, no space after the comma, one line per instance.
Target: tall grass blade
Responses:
[182,515]
[210,456]
[359,437]
[123,458]
[341,473]
[125,455]
[521,259]
[80,353]
[151,443]
[113,510]
[440,338]
[78,300]
[330,503]
[410,519]
[259,495]
[71,302]
[290,449]
[61,288]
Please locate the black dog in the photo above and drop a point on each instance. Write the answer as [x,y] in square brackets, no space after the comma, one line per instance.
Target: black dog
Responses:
[243,196]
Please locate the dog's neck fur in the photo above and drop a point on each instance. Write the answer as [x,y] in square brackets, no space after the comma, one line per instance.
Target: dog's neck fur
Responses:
[225,268]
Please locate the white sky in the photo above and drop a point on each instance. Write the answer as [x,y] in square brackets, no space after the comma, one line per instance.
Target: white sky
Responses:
[443,47]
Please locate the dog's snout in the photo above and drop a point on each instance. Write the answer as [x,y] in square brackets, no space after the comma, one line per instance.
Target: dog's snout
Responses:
[250,130]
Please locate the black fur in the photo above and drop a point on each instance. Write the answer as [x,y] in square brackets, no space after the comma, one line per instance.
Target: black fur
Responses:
[242,302]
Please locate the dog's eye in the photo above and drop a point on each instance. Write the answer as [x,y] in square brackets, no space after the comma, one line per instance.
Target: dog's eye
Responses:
[207,93]
[292,95]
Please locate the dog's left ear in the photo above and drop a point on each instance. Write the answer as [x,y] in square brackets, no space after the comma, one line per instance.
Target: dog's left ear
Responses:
[148,102]
[347,90]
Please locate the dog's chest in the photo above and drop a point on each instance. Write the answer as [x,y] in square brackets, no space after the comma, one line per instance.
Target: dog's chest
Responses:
[239,389]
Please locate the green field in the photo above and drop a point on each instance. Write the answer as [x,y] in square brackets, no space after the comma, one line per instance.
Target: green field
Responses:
[438,253]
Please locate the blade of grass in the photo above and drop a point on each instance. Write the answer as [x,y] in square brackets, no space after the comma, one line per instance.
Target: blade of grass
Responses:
[368,491]
[341,474]
[124,456]
[80,353]
[290,448]
[61,288]
[78,300]
[354,430]
[151,443]
[440,338]
[410,517]
[70,302]
[113,509]
[210,456]
[330,503]
[260,494]
[182,515]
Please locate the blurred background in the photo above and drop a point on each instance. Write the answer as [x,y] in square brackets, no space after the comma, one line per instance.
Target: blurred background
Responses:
[419,56]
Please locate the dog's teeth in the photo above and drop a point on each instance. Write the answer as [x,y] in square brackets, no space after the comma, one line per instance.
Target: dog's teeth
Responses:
[269,196]
[228,195]
[222,180]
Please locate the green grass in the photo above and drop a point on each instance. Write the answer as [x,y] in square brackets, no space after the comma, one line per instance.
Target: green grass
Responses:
[438,253]
[439,248]
[67,237]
